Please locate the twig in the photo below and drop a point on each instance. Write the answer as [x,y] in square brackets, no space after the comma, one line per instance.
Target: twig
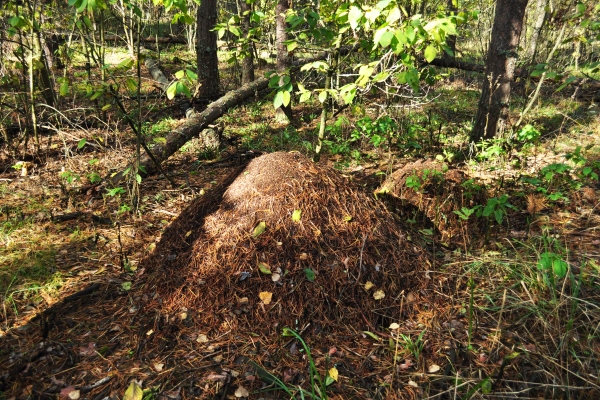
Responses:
[93,386]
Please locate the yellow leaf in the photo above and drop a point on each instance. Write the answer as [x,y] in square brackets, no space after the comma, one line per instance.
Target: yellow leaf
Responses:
[133,392]
[297,215]
[259,229]
[378,295]
[188,233]
[265,297]
[368,285]
[333,373]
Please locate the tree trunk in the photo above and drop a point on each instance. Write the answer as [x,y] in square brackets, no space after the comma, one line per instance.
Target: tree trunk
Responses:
[284,113]
[451,39]
[492,113]
[537,28]
[248,55]
[208,62]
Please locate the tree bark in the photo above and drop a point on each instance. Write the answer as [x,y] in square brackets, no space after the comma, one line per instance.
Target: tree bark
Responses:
[248,54]
[537,28]
[206,50]
[451,39]
[284,113]
[492,112]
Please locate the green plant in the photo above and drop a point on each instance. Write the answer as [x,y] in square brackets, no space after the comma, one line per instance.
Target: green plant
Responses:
[498,206]
[528,134]
[69,176]
[414,347]
[464,213]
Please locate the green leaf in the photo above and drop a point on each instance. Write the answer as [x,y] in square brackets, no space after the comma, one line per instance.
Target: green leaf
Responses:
[430,53]
[81,143]
[259,229]
[291,46]
[126,286]
[264,268]
[64,87]
[131,84]
[386,39]
[354,16]
[372,335]
[133,392]
[179,74]
[304,96]
[286,98]
[553,262]
[296,215]
[138,178]
[172,90]
[191,74]
[323,96]
[310,274]
[278,100]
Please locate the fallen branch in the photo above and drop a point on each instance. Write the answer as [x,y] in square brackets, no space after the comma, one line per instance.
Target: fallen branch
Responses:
[197,122]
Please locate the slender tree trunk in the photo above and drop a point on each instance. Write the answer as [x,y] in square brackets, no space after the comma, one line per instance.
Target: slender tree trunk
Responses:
[206,50]
[451,39]
[492,113]
[248,55]
[284,113]
[540,11]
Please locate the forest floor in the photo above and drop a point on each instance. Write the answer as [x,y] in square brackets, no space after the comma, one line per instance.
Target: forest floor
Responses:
[509,309]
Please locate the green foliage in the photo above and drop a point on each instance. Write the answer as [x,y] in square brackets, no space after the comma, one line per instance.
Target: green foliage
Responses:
[528,134]
[498,207]
[413,346]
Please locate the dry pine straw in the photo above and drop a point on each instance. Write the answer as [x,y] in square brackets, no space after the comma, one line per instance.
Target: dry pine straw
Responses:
[155,332]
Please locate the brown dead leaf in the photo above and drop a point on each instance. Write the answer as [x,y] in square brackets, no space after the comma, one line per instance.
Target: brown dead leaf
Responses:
[241,392]
[88,350]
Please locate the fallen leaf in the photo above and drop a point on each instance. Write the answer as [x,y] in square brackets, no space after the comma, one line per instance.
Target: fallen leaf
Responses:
[264,268]
[332,351]
[133,392]
[66,392]
[183,316]
[413,384]
[126,286]
[483,357]
[303,256]
[215,377]
[333,373]
[74,395]
[368,285]
[241,392]
[150,332]
[347,218]
[296,215]
[410,297]
[259,229]
[243,301]
[218,358]
[88,350]
[188,233]
[530,347]
[405,365]
[433,368]
[310,274]
[275,277]
[159,366]
[394,326]
[378,295]
[202,338]
[265,297]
